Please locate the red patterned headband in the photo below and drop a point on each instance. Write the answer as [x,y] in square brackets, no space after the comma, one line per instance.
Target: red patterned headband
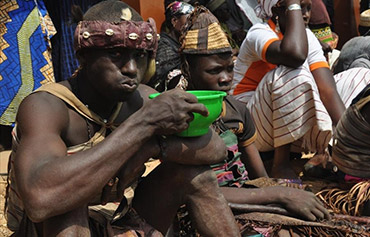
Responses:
[128,34]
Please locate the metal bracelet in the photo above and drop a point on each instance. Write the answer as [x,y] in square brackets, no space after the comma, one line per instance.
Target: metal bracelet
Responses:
[294,7]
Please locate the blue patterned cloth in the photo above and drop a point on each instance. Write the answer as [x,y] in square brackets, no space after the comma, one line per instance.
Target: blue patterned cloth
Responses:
[25,63]
[64,60]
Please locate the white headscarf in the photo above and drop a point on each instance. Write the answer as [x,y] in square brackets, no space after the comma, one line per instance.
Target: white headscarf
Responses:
[263,9]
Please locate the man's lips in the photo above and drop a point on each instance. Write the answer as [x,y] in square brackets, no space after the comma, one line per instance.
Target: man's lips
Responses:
[129,85]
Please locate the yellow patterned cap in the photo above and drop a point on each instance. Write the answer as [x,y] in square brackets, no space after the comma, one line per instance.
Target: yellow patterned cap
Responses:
[203,34]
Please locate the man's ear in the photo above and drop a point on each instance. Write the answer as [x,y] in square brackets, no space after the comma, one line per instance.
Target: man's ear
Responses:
[173,22]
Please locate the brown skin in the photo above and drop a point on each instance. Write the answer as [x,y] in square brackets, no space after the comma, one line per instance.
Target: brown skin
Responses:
[177,23]
[45,174]
[292,51]
[214,72]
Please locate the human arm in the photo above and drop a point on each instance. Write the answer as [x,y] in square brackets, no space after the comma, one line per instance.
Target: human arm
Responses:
[292,50]
[45,173]
[202,150]
[253,162]
[328,93]
[326,48]
[299,203]
[250,155]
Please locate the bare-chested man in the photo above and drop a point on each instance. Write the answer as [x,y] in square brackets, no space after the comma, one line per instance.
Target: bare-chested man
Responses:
[73,137]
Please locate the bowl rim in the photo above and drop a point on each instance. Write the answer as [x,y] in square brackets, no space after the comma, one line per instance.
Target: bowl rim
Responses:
[212,96]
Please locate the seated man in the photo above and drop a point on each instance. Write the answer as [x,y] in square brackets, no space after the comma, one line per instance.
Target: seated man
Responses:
[71,138]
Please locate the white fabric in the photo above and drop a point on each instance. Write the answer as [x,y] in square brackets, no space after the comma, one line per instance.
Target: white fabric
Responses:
[248,6]
[254,43]
[251,50]
[263,9]
[286,107]
[351,82]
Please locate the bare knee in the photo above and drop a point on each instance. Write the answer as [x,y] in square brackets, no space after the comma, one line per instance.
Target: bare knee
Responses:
[195,178]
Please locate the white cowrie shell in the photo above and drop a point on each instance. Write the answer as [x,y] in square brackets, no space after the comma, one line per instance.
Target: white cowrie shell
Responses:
[86,35]
[133,36]
[149,36]
[109,32]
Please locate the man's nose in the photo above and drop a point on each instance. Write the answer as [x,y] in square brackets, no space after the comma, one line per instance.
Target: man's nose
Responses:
[306,14]
[130,68]
[225,77]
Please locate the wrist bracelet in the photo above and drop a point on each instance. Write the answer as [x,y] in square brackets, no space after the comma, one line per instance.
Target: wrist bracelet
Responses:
[162,146]
[294,7]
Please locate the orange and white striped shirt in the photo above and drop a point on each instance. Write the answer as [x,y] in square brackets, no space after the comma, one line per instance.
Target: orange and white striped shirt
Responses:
[251,65]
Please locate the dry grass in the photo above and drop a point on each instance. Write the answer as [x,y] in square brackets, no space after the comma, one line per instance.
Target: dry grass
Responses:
[4,231]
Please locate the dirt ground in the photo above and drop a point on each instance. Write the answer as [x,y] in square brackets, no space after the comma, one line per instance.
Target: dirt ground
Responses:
[4,231]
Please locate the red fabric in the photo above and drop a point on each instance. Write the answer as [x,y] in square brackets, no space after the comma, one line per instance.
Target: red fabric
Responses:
[319,14]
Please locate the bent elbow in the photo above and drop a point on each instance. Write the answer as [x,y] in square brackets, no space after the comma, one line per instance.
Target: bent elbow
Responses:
[36,209]
[297,60]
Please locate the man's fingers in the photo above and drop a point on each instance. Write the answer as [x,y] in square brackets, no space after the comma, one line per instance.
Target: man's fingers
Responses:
[324,211]
[190,98]
[190,118]
[199,108]
[318,213]
[310,216]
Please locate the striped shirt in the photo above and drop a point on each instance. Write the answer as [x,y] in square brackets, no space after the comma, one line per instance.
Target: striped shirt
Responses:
[251,65]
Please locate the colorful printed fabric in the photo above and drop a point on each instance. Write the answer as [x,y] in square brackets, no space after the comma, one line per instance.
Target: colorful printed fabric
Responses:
[178,9]
[324,34]
[25,60]
[232,171]
[236,128]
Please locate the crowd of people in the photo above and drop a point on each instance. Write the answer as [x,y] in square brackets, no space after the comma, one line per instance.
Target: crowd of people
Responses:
[283,97]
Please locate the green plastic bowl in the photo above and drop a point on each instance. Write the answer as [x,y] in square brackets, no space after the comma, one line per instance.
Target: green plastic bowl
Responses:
[200,125]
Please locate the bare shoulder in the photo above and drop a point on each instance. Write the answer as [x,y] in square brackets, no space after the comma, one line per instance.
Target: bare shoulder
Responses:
[41,111]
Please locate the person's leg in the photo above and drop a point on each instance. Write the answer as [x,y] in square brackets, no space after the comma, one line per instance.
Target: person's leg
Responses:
[286,107]
[159,196]
[74,223]
[281,166]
